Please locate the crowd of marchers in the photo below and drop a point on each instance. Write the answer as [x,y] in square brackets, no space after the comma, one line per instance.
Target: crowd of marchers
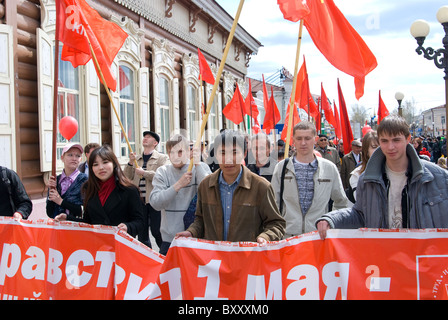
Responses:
[244,188]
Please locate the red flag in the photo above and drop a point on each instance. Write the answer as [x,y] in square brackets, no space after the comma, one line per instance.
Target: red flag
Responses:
[347,134]
[234,110]
[250,107]
[76,21]
[326,107]
[204,69]
[303,94]
[339,42]
[295,120]
[293,10]
[272,115]
[337,128]
[382,110]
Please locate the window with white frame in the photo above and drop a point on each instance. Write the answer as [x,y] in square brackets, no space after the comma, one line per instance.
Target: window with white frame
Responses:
[192,107]
[127,108]
[68,100]
[212,118]
[164,94]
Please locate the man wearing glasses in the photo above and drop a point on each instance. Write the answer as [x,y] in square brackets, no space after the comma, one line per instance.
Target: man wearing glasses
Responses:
[328,152]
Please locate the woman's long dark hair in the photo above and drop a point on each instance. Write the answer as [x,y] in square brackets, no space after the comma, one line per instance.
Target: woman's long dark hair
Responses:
[92,186]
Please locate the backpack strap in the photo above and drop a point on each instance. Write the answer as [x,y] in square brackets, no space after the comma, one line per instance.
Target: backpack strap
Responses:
[282,184]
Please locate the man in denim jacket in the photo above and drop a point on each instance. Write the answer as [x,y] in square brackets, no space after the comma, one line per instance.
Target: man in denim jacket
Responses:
[421,203]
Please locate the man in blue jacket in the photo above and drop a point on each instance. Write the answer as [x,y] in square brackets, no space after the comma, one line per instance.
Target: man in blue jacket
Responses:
[397,189]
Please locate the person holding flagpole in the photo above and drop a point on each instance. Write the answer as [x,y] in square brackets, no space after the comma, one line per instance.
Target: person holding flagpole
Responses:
[109,197]
[148,163]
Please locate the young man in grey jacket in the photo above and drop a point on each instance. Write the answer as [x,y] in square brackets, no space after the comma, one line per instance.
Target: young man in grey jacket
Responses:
[174,188]
[397,189]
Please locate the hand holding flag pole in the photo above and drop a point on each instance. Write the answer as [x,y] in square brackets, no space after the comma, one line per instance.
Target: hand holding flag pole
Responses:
[218,76]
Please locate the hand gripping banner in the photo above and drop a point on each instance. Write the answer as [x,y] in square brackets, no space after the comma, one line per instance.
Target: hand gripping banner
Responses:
[44,260]
[349,264]
[47,260]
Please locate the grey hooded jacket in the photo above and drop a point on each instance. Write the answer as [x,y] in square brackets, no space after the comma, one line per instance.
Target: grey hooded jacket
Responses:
[425,197]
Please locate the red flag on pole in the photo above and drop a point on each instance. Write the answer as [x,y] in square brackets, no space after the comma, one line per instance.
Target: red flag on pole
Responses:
[77,24]
[339,42]
[295,120]
[250,107]
[337,129]
[272,115]
[234,110]
[303,94]
[382,110]
[347,134]
[204,69]
[326,107]
[293,10]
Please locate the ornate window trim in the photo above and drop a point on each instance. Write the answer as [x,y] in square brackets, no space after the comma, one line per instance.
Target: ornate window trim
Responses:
[191,74]
[163,66]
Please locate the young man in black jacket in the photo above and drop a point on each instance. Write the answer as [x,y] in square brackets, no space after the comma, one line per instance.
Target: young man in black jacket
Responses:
[14,201]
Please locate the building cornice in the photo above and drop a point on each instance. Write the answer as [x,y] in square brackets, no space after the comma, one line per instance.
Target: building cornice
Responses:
[208,7]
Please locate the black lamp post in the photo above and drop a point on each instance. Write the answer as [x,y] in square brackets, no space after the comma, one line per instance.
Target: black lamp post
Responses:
[420,30]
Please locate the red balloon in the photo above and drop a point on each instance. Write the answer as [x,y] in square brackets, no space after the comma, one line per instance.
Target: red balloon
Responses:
[366,129]
[68,126]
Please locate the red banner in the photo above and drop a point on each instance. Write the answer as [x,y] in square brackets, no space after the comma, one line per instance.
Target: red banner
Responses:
[47,260]
[349,264]
[44,260]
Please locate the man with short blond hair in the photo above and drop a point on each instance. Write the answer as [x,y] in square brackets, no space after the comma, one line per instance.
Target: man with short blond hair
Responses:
[304,183]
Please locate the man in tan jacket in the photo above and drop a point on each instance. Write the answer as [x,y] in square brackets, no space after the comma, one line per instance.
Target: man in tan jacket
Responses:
[142,177]
[235,204]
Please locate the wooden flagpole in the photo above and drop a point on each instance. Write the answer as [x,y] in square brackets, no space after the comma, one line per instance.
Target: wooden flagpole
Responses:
[103,81]
[218,76]
[202,103]
[55,104]
[293,93]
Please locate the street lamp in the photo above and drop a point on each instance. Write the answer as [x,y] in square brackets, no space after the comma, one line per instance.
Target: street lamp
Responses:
[420,30]
[399,96]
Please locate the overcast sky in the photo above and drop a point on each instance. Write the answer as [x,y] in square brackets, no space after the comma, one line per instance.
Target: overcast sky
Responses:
[384,26]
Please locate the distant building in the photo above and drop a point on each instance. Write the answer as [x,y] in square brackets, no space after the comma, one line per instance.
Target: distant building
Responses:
[432,122]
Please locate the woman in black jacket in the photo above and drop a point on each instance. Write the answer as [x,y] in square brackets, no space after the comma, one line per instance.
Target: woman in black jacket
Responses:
[109,197]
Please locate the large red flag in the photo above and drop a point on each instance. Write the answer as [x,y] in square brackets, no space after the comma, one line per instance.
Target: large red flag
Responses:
[204,69]
[272,115]
[347,134]
[339,42]
[382,110]
[337,128]
[293,10]
[76,23]
[326,107]
[234,110]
